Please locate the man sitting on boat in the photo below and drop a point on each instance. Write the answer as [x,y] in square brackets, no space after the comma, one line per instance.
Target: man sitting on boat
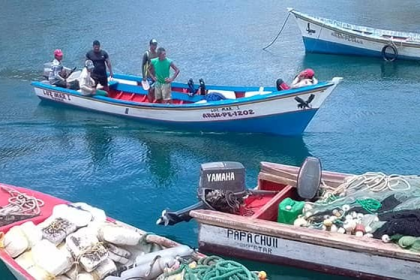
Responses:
[86,83]
[58,72]
[159,71]
[305,78]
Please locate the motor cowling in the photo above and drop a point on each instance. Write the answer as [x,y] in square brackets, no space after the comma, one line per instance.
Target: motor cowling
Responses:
[221,187]
[224,176]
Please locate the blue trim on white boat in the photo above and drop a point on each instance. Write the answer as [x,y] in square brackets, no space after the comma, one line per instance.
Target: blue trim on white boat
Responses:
[226,102]
[322,46]
[367,32]
[287,124]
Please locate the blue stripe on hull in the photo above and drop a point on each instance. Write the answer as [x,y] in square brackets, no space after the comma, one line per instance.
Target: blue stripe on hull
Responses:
[321,46]
[288,124]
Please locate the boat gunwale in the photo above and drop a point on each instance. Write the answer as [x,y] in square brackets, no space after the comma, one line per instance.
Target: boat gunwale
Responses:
[303,235]
[321,87]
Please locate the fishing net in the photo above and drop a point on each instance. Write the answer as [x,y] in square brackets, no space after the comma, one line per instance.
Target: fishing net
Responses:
[390,192]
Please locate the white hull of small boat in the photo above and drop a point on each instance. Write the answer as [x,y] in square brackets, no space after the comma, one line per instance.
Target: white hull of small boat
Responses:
[321,35]
[283,113]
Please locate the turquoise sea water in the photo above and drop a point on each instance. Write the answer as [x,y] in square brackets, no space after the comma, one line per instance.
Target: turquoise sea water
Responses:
[134,170]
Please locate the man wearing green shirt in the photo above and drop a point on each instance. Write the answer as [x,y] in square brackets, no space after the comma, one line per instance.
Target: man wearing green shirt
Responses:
[160,67]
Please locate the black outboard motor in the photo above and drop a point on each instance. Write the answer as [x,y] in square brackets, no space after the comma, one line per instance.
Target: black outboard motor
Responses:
[309,178]
[219,181]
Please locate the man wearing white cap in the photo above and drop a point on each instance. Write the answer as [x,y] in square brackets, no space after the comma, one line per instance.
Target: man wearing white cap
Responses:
[86,83]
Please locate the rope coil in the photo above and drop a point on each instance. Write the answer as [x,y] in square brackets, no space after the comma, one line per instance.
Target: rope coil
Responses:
[21,204]
[371,181]
[214,268]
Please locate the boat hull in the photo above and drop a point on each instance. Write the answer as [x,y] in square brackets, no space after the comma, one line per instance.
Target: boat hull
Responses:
[274,113]
[259,245]
[245,244]
[319,37]
[16,273]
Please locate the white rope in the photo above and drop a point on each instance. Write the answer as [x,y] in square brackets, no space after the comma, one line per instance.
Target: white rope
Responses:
[370,181]
[21,204]
[374,181]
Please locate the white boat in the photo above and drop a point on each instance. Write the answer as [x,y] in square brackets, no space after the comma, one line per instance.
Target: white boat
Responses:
[321,35]
[244,109]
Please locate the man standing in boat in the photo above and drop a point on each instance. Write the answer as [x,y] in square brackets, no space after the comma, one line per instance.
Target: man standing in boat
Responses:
[159,71]
[147,57]
[100,59]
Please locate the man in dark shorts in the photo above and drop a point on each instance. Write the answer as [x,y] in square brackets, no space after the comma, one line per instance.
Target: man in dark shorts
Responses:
[100,60]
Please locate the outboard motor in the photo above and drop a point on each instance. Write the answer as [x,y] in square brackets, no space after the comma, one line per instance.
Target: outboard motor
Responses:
[309,178]
[221,188]
[47,70]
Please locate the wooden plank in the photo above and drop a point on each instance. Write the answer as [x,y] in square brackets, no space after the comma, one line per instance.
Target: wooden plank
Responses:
[332,179]
[276,179]
[323,238]
[269,210]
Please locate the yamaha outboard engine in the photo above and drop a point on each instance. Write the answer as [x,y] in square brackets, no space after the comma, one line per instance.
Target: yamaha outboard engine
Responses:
[221,187]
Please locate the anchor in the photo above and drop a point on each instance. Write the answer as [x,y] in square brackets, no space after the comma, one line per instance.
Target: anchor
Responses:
[305,104]
[309,30]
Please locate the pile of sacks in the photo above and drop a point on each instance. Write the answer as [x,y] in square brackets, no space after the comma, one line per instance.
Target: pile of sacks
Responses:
[75,242]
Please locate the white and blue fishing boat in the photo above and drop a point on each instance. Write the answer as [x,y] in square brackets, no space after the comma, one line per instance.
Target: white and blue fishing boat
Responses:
[243,109]
[321,35]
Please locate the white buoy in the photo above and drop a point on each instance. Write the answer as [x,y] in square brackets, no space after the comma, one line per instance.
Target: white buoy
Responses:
[359,233]
[348,217]
[345,207]
[385,238]
[300,222]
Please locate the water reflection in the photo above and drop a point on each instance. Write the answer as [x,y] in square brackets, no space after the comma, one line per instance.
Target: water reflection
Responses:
[99,143]
[249,149]
[164,152]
